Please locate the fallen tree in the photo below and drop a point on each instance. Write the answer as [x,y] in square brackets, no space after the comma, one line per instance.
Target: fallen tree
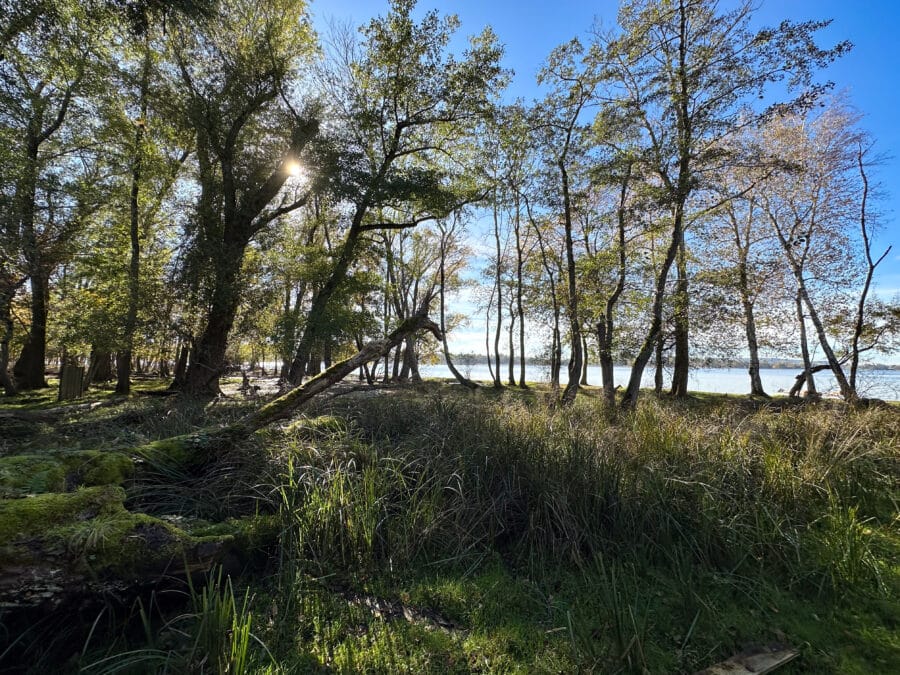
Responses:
[201,447]
[69,542]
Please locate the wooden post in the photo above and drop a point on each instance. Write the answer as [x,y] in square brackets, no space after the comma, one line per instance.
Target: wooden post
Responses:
[71,382]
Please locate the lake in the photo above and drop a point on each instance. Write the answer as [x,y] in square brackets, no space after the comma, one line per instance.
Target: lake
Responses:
[884,384]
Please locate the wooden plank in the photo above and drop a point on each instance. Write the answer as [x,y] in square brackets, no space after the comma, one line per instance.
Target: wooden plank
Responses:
[754,661]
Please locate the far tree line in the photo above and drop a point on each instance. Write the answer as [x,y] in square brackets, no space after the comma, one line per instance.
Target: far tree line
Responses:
[188,185]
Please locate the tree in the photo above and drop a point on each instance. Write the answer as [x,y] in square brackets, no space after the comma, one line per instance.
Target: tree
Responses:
[400,105]
[236,74]
[812,209]
[679,72]
[573,90]
[46,69]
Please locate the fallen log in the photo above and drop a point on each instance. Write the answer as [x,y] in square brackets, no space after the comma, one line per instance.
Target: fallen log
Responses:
[60,547]
[199,448]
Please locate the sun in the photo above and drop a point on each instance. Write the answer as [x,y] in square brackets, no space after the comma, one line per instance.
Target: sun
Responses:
[293,168]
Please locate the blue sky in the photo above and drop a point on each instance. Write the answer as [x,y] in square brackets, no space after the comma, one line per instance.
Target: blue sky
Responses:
[869,74]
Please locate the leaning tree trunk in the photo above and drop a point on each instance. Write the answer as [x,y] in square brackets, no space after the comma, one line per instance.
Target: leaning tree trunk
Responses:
[756,385]
[288,404]
[629,400]
[208,354]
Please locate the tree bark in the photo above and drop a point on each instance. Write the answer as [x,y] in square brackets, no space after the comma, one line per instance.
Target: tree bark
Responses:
[606,329]
[520,268]
[499,290]
[575,359]
[681,368]
[511,371]
[804,350]
[629,400]
[7,293]
[584,363]
[659,374]
[207,362]
[286,405]
[123,358]
[99,367]
[756,385]
[30,367]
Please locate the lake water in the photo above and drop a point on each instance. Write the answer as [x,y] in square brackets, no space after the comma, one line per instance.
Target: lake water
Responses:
[884,384]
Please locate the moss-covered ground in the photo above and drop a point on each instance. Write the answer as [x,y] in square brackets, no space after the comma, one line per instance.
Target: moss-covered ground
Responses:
[429,529]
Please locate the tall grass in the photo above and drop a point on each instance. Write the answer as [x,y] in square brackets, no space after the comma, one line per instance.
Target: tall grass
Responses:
[419,479]
[212,636]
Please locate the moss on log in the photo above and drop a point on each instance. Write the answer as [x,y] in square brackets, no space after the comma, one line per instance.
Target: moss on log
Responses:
[57,547]
[62,471]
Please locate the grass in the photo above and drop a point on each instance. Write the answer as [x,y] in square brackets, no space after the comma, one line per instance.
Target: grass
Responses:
[505,536]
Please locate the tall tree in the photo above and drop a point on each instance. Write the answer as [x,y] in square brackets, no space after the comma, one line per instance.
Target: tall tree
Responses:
[237,75]
[46,69]
[680,71]
[400,104]
[573,84]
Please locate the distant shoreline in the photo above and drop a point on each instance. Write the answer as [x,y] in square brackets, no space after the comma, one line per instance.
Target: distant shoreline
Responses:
[697,362]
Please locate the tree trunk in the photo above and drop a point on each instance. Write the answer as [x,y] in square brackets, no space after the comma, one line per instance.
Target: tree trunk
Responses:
[286,405]
[207,362]
[499,290]
[802,378]
[411,359]
[7,293]
[607,375]
[584,363]
[659,374]
[576,357]
[314,326]
[511,370]
[181,363]
[520,267]
[629,400]
[804,349]
[681,299]
[756,385]
[871,264]
[99,367]
[123,358]
[31,365]
[606,329]
[556,352]
[742,242]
